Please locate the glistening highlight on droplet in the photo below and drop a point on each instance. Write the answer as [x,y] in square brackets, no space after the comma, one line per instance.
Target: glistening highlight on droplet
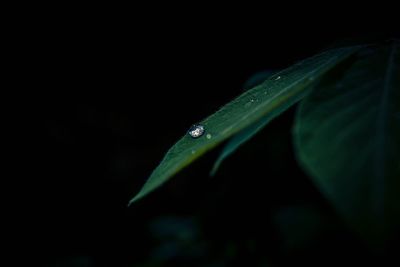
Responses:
[196,131]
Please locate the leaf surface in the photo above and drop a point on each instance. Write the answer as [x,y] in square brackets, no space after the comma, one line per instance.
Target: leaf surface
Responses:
[347,136]
[266,100]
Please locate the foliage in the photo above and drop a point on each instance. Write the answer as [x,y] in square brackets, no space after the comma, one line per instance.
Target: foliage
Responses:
[346,133]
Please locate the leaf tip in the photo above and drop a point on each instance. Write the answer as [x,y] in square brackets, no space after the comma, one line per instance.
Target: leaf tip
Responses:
[215,168]
[131,202]
[135,199]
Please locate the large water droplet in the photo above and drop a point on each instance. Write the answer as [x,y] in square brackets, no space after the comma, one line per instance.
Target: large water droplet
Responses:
[196,131]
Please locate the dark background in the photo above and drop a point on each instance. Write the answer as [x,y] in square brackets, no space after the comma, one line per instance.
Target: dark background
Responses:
[108,102]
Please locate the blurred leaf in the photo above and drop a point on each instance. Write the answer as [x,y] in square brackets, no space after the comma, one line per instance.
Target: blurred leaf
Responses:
[299,226]
[183,229]
[240,138]
[237,140]
[81,261]
[269,99]
[347,137]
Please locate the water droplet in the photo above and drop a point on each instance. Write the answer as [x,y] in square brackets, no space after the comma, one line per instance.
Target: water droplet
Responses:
[277,78]
[311,78]
[193,151]
[196,131]
[208,136]
[248,104]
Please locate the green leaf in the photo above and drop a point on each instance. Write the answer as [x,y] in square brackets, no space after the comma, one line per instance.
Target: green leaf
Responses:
[240,138]
[258,78]
[347,137]
[266,100]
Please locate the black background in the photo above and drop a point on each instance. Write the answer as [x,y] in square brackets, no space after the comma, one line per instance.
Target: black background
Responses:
[109,99]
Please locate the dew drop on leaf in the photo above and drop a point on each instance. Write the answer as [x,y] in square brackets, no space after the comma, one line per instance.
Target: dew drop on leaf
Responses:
[196,131]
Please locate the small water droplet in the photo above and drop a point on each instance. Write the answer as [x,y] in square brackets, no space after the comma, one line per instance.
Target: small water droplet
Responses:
[248,104]
[193,151]
[196,131]
[208,136]
[277,78]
